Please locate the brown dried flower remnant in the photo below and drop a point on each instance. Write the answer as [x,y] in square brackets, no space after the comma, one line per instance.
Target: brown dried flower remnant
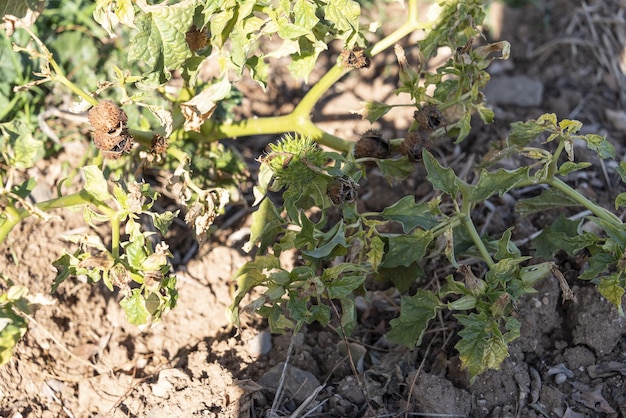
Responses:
[371,144]
[413,145]
[196,38]
[111,135]
[429,118]
[355,58]
[342,190]
[159,144]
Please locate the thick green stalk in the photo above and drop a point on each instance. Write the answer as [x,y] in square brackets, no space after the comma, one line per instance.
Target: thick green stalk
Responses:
[13,215]
[596,209]
[466,219]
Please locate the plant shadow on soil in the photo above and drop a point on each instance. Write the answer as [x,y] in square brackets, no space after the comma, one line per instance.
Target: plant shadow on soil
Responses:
[569,360]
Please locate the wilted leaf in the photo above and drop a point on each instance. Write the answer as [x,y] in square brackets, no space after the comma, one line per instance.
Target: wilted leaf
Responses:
[482,345]
[200,108]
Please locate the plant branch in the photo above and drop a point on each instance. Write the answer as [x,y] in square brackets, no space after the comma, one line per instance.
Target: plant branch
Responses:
[597,210]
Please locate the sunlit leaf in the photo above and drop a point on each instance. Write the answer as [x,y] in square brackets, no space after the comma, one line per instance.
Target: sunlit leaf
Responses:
[95,183]
[135,308]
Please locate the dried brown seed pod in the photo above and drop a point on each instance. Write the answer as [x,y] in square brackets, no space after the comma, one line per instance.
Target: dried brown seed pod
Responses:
[107,117]
[413,145]
[371,144]
[113,146]
[159,144]
[355,58]
[196,39]
[429,118]
[342,190]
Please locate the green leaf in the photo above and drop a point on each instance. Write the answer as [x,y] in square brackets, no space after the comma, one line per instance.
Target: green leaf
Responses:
[160,43]
[24,149]
[95,183]
[617,232]
[162,221]
[402,277]
[548,199]
[620,200]
[522,133]
[303,63]
[415,313]
[376,252]
[348,316]
[600,145]
[570,126]
[499,182]
[395,169]
[621,170]
[482,345]
[532,274]
[373,110]
[267,224]
[12,325]
[305,20]
[564,235]
[485,113]
[135,308]
[441,178]
[599,263]
[344,14]
[464,125]
[342,279]
[506,247]
[409,214]
[613,290]
[406,249]
[569,167]
[328,241]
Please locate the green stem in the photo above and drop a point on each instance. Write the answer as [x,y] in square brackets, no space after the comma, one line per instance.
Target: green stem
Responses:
[60,76]
[555,159]
[299,120]
[13,215]
[466,220]
[597,210]
[115,237]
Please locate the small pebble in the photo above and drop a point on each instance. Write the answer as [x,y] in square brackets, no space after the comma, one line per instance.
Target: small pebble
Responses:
[260,344]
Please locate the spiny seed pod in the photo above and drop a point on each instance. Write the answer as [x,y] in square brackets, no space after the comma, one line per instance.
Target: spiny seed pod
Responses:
[196,39]
[107,117]
[342,190]
[429,118]
[159,144]
[371,144]
[413,145]
[355,58]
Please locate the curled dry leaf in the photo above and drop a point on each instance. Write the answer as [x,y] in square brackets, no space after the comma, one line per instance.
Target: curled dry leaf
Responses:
[201,107]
